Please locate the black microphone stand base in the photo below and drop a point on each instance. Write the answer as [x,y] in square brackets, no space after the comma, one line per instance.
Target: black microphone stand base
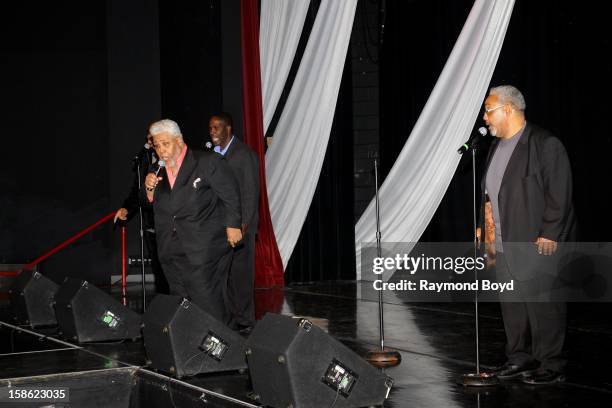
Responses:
[482,379]
[383,358]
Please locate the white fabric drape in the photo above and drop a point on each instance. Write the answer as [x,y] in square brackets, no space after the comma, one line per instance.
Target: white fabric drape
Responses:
[419,178]
[294,160]
[280,28]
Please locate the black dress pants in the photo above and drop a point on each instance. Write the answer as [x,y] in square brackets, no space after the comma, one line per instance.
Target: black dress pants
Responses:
[204,285]
[534,330]
[240,284]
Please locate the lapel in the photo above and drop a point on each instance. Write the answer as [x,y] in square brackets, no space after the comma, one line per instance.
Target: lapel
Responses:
[187,167]
[176,195]
[519,157]
[232,148]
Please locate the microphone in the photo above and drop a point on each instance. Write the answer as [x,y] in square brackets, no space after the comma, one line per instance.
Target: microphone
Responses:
[160,164]
[208,145]
[482,131]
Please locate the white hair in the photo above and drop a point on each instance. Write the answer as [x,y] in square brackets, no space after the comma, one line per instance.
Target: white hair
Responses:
[509,94]
[165,126]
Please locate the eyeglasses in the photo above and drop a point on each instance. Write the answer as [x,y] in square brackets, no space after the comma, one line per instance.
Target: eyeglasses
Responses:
[487,111]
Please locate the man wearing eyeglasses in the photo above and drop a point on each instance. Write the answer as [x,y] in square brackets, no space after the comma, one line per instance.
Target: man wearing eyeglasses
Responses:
[528,186]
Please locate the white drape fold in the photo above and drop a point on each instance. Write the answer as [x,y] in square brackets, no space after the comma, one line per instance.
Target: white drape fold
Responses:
[280,28]
[419,178]
[294,160]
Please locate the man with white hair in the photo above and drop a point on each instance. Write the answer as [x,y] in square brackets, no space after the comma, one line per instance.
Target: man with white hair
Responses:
[196,202]
[528,186]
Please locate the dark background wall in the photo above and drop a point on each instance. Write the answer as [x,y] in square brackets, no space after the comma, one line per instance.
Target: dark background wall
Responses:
[82,81]
[55,135]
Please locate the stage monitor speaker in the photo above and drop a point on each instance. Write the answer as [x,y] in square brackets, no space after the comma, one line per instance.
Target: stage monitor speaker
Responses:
[183,340]
[85,314]
[296,364]
[32,297]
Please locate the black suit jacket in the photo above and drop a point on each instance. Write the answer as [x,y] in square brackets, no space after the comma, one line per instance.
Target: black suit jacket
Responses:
[535,197]
[204,201]
[244,162]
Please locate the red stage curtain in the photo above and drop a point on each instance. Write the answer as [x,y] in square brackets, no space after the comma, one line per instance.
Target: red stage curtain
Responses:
[268,263]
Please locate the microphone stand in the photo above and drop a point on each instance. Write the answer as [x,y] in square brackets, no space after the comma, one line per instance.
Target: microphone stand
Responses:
[477,379]
[138,160]
[384,357]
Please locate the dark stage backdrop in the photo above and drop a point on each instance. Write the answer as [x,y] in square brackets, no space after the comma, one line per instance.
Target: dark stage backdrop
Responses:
[191,65]
[553,52]
[54,181]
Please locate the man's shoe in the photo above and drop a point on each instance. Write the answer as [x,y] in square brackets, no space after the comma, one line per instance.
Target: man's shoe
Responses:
[544,377]
[510,371]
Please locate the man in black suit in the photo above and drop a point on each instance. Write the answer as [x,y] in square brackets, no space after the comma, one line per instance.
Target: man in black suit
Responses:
[144,162]
[245,164]
[196,202]
[528,185]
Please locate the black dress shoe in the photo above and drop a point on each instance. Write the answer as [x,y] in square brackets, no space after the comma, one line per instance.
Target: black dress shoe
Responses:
[510,371]
[544,376]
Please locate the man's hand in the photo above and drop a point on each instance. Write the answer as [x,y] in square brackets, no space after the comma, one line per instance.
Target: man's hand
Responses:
[233,236]
[121,214]
[151,181]
[546,246]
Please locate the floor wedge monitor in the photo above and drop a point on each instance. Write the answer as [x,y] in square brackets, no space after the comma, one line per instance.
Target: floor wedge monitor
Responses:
[85,313]
[32,296]
[294,363]
[183,340]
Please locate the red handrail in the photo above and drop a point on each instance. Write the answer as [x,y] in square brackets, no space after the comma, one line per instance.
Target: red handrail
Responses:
[9,273]
[69,241]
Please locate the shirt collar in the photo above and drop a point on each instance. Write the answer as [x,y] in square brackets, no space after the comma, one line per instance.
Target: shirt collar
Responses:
[222,152]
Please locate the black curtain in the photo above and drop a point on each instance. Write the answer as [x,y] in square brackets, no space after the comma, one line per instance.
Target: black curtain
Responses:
[190,53]
[325,249]
[554,52]
[53,76]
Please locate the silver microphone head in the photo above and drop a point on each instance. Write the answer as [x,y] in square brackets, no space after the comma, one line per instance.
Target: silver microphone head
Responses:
[161,163]
[208,145]
[483,131]
[147,146]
